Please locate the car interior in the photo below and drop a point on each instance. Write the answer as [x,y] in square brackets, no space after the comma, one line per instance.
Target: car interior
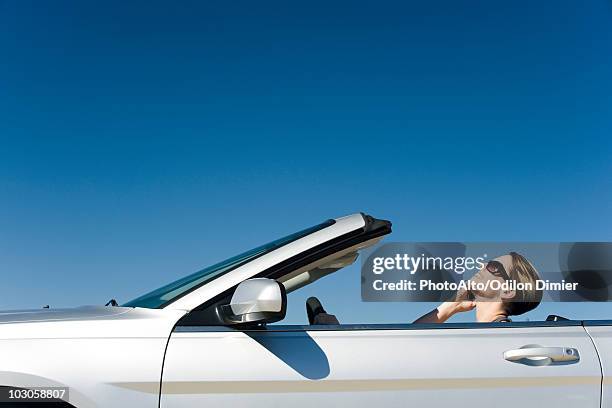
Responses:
[317,315]
[296,279]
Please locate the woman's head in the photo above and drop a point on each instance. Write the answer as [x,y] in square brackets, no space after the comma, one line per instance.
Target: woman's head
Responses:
[513,267]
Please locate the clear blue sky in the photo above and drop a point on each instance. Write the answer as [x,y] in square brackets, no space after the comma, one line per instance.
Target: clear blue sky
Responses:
[141,141]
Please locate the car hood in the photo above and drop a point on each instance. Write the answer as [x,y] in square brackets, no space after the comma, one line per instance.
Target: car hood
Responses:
[49,315]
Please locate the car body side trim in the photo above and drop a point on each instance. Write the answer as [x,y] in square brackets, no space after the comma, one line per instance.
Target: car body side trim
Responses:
[368,385]
[364,327]
[597,322]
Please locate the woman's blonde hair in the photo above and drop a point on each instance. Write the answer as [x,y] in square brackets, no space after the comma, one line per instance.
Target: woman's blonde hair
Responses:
[524,300]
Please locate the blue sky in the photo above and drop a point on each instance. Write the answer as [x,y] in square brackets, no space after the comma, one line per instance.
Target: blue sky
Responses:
[143,141]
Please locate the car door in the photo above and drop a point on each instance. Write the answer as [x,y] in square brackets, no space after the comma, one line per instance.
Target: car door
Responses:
[601,333]
[374,365]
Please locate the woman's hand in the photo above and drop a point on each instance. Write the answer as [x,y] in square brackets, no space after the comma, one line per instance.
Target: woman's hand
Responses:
[447,309]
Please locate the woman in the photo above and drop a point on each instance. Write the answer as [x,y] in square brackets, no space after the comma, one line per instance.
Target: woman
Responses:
[494,305]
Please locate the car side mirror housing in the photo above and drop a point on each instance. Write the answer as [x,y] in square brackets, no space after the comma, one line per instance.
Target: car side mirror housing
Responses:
[255,301]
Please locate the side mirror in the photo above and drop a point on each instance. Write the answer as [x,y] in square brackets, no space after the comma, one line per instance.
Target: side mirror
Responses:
[255,301]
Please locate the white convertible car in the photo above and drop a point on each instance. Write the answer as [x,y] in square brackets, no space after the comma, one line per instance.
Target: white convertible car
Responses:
[205,341]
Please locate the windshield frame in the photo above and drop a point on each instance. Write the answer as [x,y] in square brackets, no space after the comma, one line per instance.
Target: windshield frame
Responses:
[162,296]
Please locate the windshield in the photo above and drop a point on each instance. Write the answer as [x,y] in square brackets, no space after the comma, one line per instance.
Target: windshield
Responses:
[172,291]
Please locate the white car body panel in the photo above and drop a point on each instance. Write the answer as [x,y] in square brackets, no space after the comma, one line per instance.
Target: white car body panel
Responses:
[601,333]
[366,368]
[58,315]
[94,351]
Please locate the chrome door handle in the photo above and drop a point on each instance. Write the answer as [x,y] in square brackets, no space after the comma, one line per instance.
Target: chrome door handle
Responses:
[534,353]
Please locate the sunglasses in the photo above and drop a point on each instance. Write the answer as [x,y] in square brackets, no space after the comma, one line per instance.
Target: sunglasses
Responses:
[496,268]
